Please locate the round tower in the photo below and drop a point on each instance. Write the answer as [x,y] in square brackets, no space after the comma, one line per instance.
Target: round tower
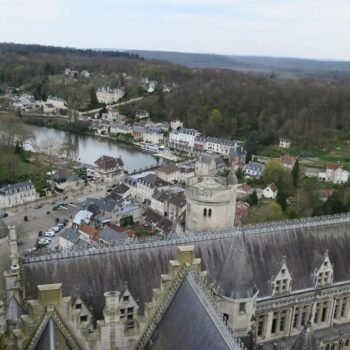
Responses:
[211,203]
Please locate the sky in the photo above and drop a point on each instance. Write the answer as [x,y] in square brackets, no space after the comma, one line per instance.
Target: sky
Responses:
[284,28]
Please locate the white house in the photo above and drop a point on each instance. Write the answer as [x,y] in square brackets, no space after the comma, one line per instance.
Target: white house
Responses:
[334,173]
[119,128]
[17,194]
[270,191]
[147,185]
[107,95]
[152,84]
[183,138]
[168,172]
[109,168]
[217,145]
[153,135]
[285,143]
[58,103]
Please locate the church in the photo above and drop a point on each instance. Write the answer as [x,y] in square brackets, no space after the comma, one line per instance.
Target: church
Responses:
[283,285]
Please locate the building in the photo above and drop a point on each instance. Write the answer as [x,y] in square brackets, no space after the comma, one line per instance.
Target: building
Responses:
[169,204]
[153,135]
[244,190]
[176,124]
[82,217]
[285,142]
[296,298]
[152,84]
[183,138]
[169,173]
[119,128]
[288,161]
[68,238]
[210,203]
[58,103]
[112,234]
[220,146]
[237,157]
[147,185]
[208,164]
[270,191]
[254,170]
[17,194]
[85,74]
[107,95]
[142,115]
[334,173]
[109,169]
[88,233]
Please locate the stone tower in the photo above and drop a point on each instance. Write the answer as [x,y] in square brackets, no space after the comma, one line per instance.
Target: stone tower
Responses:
[211,203]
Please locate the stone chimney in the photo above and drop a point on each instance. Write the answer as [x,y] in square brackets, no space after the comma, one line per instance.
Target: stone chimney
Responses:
[50,294]
[111,310]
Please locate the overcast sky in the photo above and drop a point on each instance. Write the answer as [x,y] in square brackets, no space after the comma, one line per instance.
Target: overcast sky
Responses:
[292,28]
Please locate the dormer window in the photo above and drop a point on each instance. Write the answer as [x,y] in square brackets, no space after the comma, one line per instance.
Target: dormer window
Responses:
[282,283]
[324,275]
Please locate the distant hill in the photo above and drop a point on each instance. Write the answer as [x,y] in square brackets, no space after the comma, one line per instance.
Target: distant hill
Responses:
[266,65]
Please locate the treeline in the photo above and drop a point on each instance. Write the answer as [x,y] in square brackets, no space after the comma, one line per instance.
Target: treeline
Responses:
[44,49]
[237,105]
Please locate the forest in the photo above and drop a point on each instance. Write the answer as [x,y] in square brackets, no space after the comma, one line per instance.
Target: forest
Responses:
[218,102]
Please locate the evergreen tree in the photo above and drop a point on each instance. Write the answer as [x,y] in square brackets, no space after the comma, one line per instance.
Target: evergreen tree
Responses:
[295,173]
[281,199]
[253,199]
[93,98]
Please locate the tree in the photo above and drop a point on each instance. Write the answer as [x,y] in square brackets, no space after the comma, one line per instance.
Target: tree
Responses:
[264,213]
[93,98]
[281,199]
[295,173]
[274,172]
[253,199]
[10,165]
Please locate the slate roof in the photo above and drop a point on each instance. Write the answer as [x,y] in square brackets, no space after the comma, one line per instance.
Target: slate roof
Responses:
[107,162]
[70,235]
[302,247]
[207,158]
[254,166]
[237,151]
[74,178]
[17,186]
[152,180]
[157,220]
[168,168]
[61,175]
[189,323]
[110,235]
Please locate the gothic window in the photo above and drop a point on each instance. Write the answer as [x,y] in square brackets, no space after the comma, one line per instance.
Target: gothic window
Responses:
[340,309]
[242,308]
[209,212]
[274,323]
[78,306]
[321,313]
[83,318]
[205,212]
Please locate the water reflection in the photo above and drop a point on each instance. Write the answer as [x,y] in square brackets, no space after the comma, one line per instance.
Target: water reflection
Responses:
[87,149]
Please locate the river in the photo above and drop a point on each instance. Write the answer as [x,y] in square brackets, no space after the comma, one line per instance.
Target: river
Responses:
[87,149]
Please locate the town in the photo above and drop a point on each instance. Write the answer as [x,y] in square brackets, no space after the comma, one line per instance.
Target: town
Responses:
[124,229]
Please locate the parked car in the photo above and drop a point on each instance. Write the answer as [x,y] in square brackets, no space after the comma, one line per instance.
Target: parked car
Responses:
[60,225]
[55,229]
[44,241]
[49,234]
[38,206]
[52,203]
[4,215]
[25,218]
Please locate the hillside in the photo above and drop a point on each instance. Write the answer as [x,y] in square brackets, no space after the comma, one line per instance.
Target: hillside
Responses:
[266,65]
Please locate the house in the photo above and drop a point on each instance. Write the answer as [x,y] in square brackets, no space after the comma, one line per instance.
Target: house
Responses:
[157,221]
[183,138]
[109,168]
[153,135]
[103,127]
[254,170]
[334,173]
[107,95]
[17,194]
[217,145]
[137,132]
[176,124]
[270,191]
[68,238]
[186,171]
[169,204]
[70,183]
[168,172]
[85,74]
[112,234]
[58,103]
[88,233]
[83,216]
[199,144]
[147,185]
[244,190]
[141,115]
[121,190]
[285,143]
[152,84]
[288,161]
[237,157]
[49,108]
[208,164]
[119,128]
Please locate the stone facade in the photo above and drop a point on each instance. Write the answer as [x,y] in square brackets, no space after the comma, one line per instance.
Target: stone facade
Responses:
[210,203]
[17,194]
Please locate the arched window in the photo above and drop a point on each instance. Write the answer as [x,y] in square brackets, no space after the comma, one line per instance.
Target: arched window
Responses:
[205,212]
[209,212]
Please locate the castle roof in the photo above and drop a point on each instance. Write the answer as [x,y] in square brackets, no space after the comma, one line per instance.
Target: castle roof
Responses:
[301,243]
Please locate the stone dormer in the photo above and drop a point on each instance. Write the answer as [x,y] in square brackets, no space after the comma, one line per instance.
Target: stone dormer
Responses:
[282,282]
[128,309]
[324,275]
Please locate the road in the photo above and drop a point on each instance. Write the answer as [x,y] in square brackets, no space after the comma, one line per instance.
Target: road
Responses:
[39,220]
[114,105]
